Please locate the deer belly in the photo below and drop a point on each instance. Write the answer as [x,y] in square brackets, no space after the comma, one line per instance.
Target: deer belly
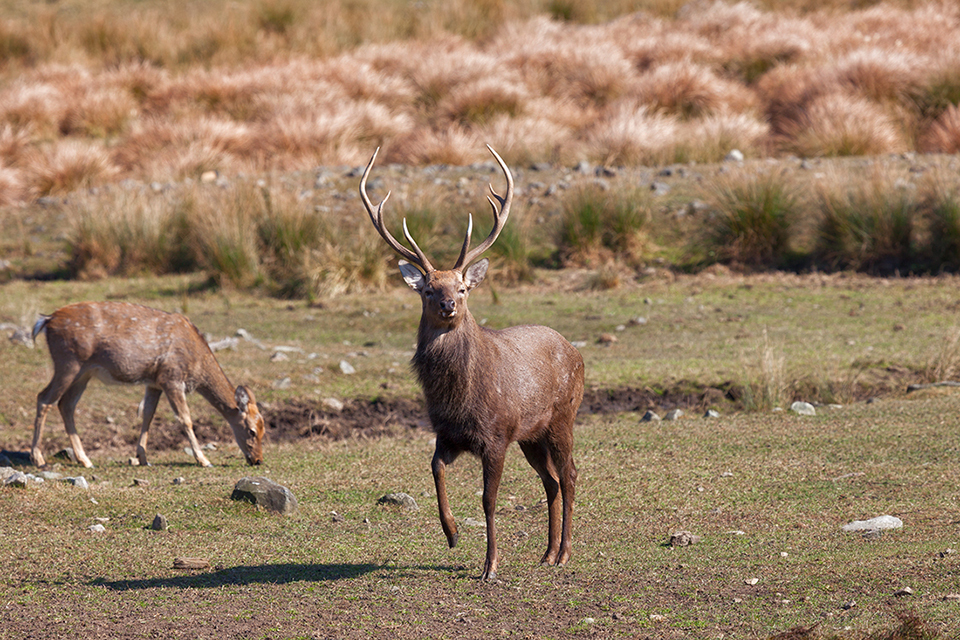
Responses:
[107,376]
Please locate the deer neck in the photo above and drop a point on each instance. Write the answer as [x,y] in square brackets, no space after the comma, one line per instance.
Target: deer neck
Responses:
[445,356]
[216,389]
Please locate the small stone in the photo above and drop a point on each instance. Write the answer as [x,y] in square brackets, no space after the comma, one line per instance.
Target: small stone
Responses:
[159,523]
[676,414]
[179,480]
[283,383]
[607,338]
[402,500]
[901,593]
[874,524]
[710,413]
[79,481]
[279,356]
[208,176]
[473,522]
[140,482]
[332,404]
[751,581]
[953,597]
[650,416]
[133,462]
[17,480]
[803,408]
[96,528]
[66,454]
[265,493]
[735,155]
[589,621]
[683,539]
[849,605]
[346,368]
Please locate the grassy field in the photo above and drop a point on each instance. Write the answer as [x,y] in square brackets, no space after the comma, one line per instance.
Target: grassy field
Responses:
[768,491]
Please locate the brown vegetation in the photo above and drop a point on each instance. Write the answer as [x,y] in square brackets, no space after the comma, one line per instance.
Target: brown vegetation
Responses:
[131,94]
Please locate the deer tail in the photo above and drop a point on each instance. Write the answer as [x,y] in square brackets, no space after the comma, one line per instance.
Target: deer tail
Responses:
[40,325]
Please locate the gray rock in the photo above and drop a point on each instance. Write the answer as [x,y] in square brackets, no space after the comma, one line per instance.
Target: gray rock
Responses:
[159,523]
[17,480]
[22,337]
[96,528]
[879,523]
[265,493]
[346,368]
[333,404]
[803,409]
[735,155]
[710,413]
[676,414]
[650,416]
[79,481]
[684,539]
[66,454]
[402,500]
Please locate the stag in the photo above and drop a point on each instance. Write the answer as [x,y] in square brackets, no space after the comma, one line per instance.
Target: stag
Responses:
[119,342]
[485,388]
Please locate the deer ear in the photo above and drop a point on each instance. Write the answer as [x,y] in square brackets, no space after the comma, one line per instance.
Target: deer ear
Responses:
[475,273]
[242,398]
[412,276]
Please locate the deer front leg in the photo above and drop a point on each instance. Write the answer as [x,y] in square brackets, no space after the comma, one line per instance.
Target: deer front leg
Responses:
[150,399]
[492,471]
[175,394]
[441,458]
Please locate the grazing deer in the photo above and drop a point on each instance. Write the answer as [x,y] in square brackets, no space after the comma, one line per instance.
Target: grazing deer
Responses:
[132,344]
[485,389]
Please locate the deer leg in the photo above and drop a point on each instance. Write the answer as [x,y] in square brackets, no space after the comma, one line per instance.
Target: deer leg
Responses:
[178,401]
[539,458]
[68,407]
[51,394]
[563,459]
[150,399]
[492,471]
[441,458]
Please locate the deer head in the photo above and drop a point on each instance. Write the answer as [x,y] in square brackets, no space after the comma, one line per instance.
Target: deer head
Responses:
[443,292]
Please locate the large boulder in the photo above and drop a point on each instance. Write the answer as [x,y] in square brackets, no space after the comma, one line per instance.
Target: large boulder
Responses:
[265,493]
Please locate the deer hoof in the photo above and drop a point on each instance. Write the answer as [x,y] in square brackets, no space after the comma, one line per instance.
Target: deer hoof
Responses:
[453,539]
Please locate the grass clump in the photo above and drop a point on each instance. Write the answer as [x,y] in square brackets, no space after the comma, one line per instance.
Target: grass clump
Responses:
[752,226]
[599,226]
[868,226]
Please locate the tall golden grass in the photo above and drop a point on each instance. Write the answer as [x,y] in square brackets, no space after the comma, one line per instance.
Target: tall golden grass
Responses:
[140,93]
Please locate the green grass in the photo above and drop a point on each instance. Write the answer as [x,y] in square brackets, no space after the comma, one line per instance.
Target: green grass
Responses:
[787,483]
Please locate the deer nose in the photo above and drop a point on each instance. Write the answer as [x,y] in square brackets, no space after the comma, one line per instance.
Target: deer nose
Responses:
[448,307]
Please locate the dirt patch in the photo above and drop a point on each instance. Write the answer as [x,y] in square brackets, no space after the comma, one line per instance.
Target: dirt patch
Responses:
[364,419]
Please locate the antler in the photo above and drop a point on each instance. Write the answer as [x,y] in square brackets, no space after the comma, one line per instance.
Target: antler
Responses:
[376,217]
[499,218]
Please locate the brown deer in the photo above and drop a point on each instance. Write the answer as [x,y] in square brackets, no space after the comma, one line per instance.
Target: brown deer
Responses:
[485,389]
[131,344]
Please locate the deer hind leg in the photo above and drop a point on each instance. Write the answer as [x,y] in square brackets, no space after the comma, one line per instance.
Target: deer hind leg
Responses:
[51,394]
[178,400]
[539,458]
[441,458]
[150,399]
[492,472]
[562,456]
[68,406]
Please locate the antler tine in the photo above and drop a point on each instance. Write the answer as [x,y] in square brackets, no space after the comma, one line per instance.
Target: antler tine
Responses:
[376,217]
[499,216]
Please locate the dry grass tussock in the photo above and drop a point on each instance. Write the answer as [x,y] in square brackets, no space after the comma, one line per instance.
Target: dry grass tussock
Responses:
[639,88]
